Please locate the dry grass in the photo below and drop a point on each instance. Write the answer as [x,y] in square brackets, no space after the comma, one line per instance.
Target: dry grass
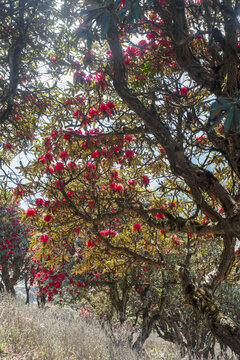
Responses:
[27,333]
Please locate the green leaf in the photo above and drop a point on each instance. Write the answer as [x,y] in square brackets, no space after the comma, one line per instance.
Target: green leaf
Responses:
[229,119]
[136,12]
[105,21]
[213,109]
[223,101]
[92,8]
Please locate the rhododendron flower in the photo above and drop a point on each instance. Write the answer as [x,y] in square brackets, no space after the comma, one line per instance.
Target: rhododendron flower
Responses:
[127,137]
[112,185]
[39,201]
[136,226]
[71,165]
[30,211]
[18,191]
[8,146]
[91,203]
[159,215]
[103,107]
[145,180]
[58,184]
[142,43]
[69,194]
[44,238]
[50,169]
[54,133]
[107,232]
[92,112]
[47,217]
[48,157]
[41,159]
[184,89]
[114,174]
[129,153]
[59,166]
[90,165]
[95,154]
[90,243]
[110,105]
[77,113]
[151,36]
[119,187]
[63,155]
[67,136]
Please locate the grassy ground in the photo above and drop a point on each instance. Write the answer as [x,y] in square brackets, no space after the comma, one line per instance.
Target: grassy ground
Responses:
[27,333]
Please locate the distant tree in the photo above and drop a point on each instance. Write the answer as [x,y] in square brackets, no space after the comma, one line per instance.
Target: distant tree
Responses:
[14,245]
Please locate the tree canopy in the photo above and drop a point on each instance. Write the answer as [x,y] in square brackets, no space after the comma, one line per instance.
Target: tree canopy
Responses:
[136,156]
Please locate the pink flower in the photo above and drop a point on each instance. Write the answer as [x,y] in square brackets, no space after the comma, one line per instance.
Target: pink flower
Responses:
[103,107]
[39,202]
[50,169]
[47,217]
[71,165]
[90,243]
[95,154]
[110,105]
[58,184]
[44,238]
[159,215]
[151,36]
[8,146]
[66,136]
[18,191]
[131,182]
[142,43]
[41,159]
[119,187]
[30,212]
[63,155]
[145,180]
[54,134]
[59,166]
[49,157]
[136,226]
[129,153]
[184,89]
[77,113]
[69,194]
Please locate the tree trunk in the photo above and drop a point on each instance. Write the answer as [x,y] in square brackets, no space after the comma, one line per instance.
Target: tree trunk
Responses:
[6,279]
[221,325]
[27,288]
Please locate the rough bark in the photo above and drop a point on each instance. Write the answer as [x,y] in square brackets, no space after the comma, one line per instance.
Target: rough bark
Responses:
[221,325]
